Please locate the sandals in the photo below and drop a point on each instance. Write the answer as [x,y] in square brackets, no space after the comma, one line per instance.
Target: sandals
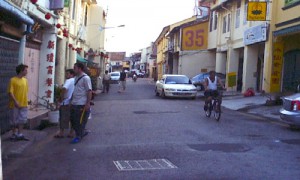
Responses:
[70,136]
[58,136]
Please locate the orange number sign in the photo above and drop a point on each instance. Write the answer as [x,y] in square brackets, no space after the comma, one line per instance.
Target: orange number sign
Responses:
[195,37]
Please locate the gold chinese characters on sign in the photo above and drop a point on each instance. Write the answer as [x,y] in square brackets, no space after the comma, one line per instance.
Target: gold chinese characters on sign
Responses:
[276,67]
[257,11]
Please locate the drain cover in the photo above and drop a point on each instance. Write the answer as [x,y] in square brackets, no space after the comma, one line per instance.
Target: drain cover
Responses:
[222,147]
[134,165]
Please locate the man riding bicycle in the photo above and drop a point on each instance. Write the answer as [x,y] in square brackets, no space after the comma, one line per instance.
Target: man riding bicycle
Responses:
[211,88]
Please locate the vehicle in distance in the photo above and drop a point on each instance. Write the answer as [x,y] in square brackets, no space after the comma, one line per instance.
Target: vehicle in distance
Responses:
[175,86]
[114,77]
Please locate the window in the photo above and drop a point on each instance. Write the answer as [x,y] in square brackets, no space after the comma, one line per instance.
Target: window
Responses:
[238,15]
[211,21]
[289,2]
[85,15]
[74,9]
[229,22]
[245,11]
[215,20]
[224,23]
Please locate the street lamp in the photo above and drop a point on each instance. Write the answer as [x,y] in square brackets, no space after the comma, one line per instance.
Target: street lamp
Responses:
[101,28]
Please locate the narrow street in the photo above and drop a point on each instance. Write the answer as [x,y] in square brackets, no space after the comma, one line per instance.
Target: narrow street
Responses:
[136,135]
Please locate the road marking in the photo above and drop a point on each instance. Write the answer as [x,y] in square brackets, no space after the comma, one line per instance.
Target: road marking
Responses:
[141,165]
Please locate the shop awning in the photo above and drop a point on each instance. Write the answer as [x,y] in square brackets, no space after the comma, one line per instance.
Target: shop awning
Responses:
[287,31]
[81,59]
[16,12]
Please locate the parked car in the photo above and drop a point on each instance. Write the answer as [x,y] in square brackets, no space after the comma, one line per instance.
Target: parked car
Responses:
[290,112]
[115,77]
[199,80]
[175,86]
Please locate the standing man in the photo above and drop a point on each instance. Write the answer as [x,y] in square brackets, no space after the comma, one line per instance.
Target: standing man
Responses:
[122,81]
[105,81]
[80,104]
[18,101]
[64,109]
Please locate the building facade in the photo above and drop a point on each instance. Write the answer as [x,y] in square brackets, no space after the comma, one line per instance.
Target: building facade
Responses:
[283,52]
[239,44]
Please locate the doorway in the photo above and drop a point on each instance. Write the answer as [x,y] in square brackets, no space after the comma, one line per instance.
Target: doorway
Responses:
[291,71]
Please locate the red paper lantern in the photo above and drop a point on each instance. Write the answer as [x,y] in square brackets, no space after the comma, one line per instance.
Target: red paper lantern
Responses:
[33,1]
[48,16]
[66,35]
[70,45]
[58,25]
[65,31]
[73,49]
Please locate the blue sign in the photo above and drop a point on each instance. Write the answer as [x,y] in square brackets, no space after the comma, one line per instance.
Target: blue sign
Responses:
[255,34]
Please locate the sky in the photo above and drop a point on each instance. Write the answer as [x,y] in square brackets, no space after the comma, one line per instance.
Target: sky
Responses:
[143,20]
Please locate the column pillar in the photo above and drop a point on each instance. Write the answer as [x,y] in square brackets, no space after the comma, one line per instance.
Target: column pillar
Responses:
[232,64]
[61,61]
[250,67]
[47,64]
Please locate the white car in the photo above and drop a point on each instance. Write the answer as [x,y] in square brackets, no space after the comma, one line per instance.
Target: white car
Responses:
[175,86]
[114,77]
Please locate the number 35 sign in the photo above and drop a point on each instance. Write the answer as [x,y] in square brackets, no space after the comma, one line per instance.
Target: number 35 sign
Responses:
[195,37]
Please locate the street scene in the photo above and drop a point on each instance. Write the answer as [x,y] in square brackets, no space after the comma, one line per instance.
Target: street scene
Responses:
[135,126]
[131,89]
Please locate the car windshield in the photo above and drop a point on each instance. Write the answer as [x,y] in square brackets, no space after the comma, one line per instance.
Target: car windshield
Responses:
[177,80]
[115,74]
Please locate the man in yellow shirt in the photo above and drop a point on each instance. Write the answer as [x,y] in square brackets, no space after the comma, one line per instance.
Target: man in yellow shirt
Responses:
[18,101]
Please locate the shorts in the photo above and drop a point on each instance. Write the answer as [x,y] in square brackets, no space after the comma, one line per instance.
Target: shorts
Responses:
[123,84]
[64,116]
[18,116]
[212,93]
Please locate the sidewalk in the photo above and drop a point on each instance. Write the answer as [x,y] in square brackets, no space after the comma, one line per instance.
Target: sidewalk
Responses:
[252,105]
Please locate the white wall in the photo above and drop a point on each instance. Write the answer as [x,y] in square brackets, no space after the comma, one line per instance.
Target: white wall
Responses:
[192,62]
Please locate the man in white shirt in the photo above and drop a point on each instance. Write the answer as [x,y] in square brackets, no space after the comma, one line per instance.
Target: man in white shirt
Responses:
[106,81]
[64,109]
[81,102]
[211,88]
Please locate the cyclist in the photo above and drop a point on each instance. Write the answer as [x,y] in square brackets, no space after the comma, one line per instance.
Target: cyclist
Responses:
[211,88]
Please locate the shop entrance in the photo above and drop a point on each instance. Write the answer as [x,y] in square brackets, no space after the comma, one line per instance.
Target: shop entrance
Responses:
[291,71]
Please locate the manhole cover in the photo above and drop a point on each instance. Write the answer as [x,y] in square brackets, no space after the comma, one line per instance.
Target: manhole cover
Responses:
[223,147]
[152,164]
[291,141]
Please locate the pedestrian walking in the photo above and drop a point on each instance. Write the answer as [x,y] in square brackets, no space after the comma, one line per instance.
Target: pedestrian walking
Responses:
[64,109]
[18,101]
[106,81]
[80,103]
[122,81]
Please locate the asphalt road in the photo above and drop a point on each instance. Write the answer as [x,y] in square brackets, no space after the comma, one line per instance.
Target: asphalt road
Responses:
[136,135]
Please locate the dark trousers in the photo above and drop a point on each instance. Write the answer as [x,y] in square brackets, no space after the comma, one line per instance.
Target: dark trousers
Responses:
[105,85]
[76,113]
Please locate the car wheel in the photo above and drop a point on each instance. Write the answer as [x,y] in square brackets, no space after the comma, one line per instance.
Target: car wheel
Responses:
[156,93]
[193,98]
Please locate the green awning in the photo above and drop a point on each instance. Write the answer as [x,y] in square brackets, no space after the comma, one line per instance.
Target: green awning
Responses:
[80,59]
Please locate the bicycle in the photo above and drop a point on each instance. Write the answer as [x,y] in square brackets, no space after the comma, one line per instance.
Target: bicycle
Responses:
[215,106]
